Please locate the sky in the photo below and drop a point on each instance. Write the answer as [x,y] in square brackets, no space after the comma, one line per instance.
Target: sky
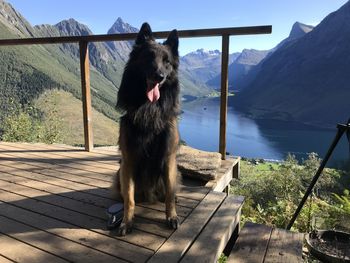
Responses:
[99,16]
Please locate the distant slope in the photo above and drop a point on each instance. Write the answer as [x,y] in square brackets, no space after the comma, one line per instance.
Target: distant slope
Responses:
[243,70]
[306,79]
[240,67]
[69,113]
[40,67]
[121,48]
[29,70]
[203,65]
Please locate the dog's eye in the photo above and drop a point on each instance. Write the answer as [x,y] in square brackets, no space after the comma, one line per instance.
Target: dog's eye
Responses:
[167,61]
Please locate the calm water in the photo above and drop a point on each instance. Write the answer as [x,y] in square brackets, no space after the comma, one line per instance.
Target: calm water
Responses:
[199,128]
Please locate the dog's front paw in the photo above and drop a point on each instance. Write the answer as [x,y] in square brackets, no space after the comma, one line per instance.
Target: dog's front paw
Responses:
[124,229]
[173,222]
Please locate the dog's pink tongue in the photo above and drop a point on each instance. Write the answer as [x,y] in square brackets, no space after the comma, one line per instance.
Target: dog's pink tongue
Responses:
[153,93]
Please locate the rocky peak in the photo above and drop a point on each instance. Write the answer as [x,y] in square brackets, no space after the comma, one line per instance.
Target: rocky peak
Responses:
[14,20]
[71,27]
[120,26]
[251,56]
[299,30]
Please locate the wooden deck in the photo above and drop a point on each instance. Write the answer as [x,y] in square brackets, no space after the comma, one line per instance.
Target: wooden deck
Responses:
[53,200]
[261,243]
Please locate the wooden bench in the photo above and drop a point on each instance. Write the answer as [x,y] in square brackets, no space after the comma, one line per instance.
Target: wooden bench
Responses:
[261,243]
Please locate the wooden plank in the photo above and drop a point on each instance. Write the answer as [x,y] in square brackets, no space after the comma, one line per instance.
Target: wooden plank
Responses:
[195,193]
[181,210]
[59,187]
[79,157]
[185,202]
[137,237]
[39,191]
[237,168]
[39,163]
[23,253]
[224,176]
[251,30]
[105,156]
[251,244]
[52,158]
[285,246]
[66,249]
[68,231]
[60,180]
[214,237]
[85,94]
[5,260]
[175,247]
[224,94]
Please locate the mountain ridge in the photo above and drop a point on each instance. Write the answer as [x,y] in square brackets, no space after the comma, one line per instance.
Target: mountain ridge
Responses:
[307,79]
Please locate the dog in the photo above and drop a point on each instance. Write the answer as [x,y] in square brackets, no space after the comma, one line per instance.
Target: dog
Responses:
[148,137]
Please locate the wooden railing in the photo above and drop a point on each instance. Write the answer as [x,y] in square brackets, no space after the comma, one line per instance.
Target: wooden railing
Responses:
[83,41]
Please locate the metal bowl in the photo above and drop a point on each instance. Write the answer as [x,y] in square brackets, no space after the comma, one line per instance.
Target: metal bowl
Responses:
[329,245]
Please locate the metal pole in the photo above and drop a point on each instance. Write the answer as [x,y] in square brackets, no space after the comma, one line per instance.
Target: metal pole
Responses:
[341,129]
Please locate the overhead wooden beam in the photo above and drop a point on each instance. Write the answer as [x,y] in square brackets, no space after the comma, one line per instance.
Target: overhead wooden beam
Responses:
[86,95]
[211,32]
[224,94]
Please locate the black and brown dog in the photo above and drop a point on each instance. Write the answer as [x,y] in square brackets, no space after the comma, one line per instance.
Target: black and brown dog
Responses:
[149,138]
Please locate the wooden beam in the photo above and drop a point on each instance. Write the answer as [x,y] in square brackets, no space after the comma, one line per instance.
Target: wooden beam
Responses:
[224,93]
[85,94]
[209,32]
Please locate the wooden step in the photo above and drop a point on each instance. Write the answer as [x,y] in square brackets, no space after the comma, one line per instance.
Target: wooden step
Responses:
[261,243]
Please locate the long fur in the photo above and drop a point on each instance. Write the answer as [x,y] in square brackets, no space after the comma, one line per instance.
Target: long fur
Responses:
[148,131]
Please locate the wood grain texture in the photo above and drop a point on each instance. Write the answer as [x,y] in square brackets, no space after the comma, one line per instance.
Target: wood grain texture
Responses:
[234,31]
[53,200]
[224,94]
[70,251]
[86,94]
[285,246]
[251,244]
[178,243]
[213,239]
[22,252]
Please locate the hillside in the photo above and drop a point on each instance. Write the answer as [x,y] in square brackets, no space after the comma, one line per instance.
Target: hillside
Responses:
[27,71]
[68,112]
[244,68]
[306,79]
[240,68]
[203,65]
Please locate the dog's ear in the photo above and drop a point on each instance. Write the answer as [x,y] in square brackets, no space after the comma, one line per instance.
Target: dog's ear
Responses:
[173,42]
[144,34]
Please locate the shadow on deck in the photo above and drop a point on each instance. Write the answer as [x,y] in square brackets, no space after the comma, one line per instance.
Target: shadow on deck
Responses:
[53,200]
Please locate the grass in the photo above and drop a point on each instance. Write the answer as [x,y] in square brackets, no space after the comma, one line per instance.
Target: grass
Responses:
[69,111]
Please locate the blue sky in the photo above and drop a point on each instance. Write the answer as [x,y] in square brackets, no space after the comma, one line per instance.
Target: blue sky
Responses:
[186,14]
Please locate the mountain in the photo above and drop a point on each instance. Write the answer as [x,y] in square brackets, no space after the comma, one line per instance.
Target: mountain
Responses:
[122,48]
[240,67]
[203,65]
[298,30]
[243,70]
[106,61]
[14,21]
[27,71]
[306,79]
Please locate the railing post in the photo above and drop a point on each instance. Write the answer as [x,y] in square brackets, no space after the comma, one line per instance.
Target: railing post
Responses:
[85,92]
[224,93]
